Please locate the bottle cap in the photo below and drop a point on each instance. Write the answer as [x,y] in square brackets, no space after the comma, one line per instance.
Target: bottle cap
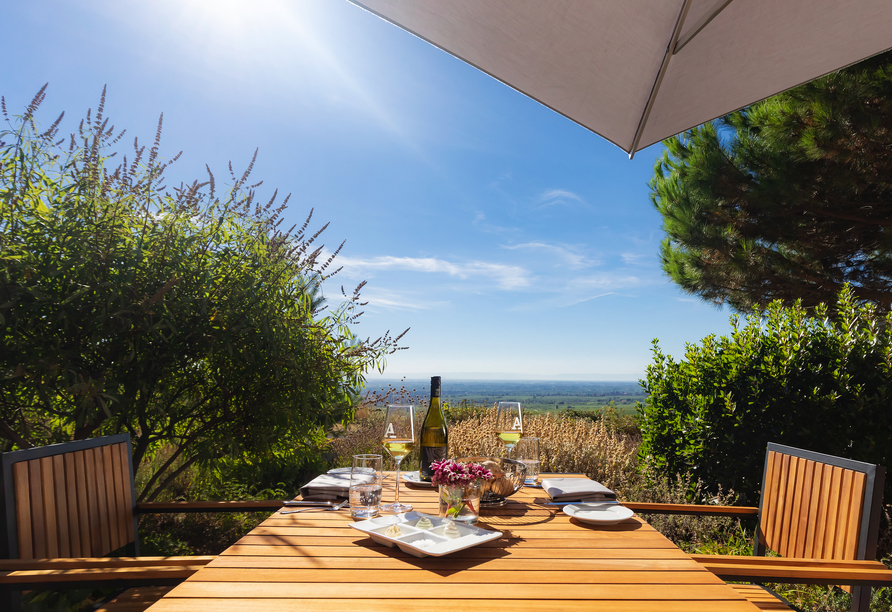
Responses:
[435,386]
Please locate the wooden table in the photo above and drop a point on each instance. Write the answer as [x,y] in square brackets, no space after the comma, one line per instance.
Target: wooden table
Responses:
[544,561]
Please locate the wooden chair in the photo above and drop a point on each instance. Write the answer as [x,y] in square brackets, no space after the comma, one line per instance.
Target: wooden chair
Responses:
[819,512]
[68,506]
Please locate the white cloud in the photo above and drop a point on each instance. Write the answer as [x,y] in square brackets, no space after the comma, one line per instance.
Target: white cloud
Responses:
[390,300]
[569,256]
[483,225]
[634,258]
[593,297]
[553,197]
[505,276]
[608,281]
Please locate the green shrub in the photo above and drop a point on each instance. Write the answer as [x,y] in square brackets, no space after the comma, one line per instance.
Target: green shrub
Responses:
[807,381]
[185,317]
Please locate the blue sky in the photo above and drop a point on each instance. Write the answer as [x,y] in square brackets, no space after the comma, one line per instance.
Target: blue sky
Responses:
[513,242]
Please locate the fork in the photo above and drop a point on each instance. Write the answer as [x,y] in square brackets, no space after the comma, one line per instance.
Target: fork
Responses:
[335,507]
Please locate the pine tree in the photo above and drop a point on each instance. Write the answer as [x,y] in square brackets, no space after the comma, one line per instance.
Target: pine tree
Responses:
[788,199]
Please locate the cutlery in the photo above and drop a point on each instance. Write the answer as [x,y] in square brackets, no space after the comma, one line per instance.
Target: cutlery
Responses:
[336,507]
[308,503]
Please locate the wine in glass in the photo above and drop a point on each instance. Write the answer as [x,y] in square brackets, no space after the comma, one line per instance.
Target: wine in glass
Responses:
[509,423]
[399,440]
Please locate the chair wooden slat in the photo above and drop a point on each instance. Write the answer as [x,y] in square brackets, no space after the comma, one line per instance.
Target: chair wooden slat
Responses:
[815,500]
[74,533]
[21,483]
[83,505]
[38,525]
[49,507]
[783,474]
[61,492]
[771,495]
[859,482]
[793,503]
[93,504]
[101,500]
[786,502]
[122,501]
[832,511]
[111,502]
[823,510]
[842,515]
[802,510]
[127,484]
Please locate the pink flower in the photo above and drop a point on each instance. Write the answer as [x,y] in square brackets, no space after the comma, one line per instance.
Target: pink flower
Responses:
[451,472]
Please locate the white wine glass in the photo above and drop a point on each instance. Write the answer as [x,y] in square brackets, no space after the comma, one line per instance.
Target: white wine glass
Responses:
[398,440]
[509,423]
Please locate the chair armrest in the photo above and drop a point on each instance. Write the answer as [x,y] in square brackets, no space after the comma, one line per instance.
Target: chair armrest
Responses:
[693,509]
[797,570]
[11,565]
[208,506]
[16,574]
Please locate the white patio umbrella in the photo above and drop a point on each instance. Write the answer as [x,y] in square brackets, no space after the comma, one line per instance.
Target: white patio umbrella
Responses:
[639,71]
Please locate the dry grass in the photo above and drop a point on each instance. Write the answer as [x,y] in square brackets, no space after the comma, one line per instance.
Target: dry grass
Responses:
[565,445]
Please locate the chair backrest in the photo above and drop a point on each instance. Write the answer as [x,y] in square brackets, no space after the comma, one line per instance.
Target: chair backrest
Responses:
[74,499]
[818,506]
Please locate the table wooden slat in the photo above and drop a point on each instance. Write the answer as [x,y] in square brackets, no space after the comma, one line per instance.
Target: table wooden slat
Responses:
[257,604]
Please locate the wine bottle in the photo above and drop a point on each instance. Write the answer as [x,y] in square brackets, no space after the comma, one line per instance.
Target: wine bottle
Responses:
[434,437]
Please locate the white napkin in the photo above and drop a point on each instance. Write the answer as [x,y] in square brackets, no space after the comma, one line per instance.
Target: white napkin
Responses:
[576,489]
[331,486]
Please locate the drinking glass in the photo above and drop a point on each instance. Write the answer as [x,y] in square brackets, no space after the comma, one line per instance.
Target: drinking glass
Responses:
[527,452]
[398,440]
[365,486]
[509,423]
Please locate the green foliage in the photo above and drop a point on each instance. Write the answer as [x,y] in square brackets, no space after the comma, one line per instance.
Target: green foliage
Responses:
[184,317]
[787,199]
[811,382]
[694,532]
[195,533]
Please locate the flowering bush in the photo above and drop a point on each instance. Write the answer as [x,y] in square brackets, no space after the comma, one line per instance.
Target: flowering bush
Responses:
[451,472]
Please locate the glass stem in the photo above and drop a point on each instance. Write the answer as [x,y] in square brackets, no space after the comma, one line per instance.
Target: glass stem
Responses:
[396,498]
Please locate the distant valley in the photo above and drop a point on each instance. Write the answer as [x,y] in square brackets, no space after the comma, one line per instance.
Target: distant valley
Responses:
[536,396]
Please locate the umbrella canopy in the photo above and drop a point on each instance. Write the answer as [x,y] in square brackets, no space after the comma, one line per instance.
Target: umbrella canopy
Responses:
[639,71]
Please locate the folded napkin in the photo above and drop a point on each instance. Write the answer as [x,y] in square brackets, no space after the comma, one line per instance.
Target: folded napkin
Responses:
[331,486]
[576,489]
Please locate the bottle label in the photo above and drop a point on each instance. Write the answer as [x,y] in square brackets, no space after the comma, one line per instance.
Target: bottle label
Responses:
[430,454]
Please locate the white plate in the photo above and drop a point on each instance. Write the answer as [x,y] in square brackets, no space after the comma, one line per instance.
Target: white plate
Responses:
[598,513]
[415,479]
[470,535]
[340,470]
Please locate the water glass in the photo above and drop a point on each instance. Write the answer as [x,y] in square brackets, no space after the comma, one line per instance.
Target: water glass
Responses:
[527,450]
[365,486]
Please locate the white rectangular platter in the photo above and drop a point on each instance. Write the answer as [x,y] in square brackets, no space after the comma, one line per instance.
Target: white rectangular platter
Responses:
[419,542]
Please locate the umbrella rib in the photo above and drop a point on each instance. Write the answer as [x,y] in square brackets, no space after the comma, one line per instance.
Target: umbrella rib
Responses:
[702,23]
[662,72]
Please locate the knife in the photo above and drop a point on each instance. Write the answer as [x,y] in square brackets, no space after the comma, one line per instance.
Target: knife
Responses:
[307,503]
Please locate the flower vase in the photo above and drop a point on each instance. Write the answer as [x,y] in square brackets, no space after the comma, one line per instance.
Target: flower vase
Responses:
[460,502]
